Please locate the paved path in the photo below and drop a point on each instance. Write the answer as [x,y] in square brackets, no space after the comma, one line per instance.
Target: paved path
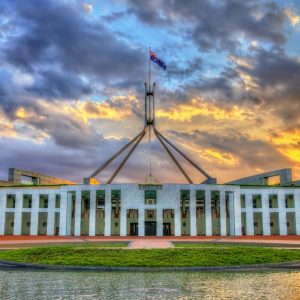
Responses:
[150,244]
[10,241]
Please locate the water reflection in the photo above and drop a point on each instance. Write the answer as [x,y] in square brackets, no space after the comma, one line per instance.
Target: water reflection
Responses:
[183,285]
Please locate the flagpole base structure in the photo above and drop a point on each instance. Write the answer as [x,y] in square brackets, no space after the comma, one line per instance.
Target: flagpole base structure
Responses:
[149,122]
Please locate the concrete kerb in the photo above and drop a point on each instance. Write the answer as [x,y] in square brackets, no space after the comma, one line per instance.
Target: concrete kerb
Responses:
[285,266]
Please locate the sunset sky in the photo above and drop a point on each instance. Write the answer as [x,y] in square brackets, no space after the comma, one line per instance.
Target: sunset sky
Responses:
[72,79]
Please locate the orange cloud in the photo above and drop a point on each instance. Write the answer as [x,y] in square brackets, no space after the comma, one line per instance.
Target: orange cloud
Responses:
[199,107]
[288,143]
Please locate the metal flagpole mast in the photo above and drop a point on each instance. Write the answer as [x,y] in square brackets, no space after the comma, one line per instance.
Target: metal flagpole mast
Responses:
[148,92]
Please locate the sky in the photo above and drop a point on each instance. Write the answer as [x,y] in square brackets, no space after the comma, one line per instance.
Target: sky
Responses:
[72,79]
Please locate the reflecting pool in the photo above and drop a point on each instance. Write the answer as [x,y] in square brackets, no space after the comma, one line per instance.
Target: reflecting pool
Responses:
[149,285]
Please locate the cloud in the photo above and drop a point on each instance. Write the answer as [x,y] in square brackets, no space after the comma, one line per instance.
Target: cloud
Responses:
[292,16]
[57,39]
[199,107]
[216,25]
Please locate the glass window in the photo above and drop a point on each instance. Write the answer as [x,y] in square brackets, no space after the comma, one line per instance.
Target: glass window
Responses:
[289,201]
[150,196]
[57,201]
[273,201]
[10,201]
[243,201]
[43,201]
[256,201]
[100,199]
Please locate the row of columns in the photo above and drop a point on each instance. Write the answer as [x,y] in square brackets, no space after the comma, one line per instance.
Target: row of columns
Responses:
[34,214]
[265,210]
[234,211]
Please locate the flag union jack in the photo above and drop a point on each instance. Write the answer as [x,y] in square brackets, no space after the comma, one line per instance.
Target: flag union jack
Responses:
[155,59]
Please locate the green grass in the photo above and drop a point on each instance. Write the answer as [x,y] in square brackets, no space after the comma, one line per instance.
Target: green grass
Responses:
[180,257]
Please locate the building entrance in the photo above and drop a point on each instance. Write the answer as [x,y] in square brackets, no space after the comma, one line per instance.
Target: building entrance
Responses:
[150,228]
[167,229]
[134,229]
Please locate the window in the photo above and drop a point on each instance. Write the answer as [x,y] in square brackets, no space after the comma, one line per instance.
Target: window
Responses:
[150,197]
[270,203]
[289,201]
[271,224]
[12,224]
[11,201]
[256,200]
[185,200]
[27,201]
[28,224]
[57,201]
[255,224]
[43,201]
[200,200]
[254,203]
[273,201]
[243,201]
[100,199]
[44,224]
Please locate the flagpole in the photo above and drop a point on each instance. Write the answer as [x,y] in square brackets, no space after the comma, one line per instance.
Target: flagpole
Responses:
[148,98]
[149,69]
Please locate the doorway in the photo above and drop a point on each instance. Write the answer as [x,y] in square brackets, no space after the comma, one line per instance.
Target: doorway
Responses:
[134,231]
[150,228]
[167,229]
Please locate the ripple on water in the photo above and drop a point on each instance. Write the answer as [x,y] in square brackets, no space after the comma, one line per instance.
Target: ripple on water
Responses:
[149,285]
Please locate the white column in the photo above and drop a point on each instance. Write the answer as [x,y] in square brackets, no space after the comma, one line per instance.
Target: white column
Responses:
[18,214]
[34,218]
[208,224]
[63,213]
[123,220]
[193,216]
[77,229]
[297,210]
[249,214]
[231,214]
[265,213]
[141,221]
[177,215]
[282,213]
[92,216]
[237,213]
[51,214]
[107,213]
[2,213]
[223,214]
[159,221]
[69,213]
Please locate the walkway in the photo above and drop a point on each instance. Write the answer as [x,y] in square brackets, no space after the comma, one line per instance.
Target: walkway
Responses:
[150,244]
[10,241]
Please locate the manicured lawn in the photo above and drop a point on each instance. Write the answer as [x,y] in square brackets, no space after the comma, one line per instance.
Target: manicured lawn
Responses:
[218,256]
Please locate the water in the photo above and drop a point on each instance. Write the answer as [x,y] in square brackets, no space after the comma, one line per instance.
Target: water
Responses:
[163,285]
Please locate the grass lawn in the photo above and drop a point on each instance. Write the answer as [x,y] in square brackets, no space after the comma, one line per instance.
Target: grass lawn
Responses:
[190,257]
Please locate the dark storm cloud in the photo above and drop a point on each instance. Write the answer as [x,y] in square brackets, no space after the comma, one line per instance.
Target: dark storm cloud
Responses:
[56,84]
[55,37]
[277,76]
[251,152]
[215,24]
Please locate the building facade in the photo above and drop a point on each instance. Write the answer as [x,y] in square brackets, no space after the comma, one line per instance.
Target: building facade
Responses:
[145,210]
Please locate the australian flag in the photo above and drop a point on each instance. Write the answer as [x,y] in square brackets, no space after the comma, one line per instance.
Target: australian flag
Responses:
[154,58]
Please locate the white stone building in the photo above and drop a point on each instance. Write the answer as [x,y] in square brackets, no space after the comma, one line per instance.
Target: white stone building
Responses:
[133,209]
